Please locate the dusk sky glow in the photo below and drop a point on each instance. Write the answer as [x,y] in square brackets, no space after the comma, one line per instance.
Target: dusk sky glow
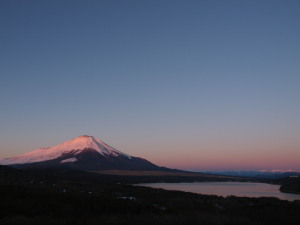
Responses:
[195,85]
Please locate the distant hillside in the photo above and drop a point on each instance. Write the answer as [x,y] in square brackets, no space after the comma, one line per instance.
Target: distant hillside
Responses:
[256,174]
[23,176]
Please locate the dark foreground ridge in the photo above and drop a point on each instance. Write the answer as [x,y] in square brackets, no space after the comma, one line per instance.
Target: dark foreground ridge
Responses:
[63,197]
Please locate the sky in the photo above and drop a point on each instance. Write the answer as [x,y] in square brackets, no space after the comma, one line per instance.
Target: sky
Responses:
[195,85]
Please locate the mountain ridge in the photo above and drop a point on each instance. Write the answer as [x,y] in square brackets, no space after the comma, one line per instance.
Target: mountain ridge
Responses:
[84,153]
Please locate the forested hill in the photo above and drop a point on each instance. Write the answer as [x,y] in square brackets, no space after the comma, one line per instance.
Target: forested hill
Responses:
[290,185]
[76,198]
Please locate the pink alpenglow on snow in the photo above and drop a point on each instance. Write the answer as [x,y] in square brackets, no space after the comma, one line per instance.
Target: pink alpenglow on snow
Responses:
[74,146]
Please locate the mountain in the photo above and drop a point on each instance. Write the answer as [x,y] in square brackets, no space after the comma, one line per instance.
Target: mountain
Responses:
[82,153]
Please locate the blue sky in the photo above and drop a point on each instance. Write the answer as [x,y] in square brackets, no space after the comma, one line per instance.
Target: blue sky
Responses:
[187,84]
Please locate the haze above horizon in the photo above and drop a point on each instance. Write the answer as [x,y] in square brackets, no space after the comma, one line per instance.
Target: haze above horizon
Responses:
[194,85]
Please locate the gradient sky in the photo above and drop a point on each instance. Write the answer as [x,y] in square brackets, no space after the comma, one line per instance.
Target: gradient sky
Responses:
[196,85]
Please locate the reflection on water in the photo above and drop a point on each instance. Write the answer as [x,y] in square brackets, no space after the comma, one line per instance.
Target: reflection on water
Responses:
[241,189]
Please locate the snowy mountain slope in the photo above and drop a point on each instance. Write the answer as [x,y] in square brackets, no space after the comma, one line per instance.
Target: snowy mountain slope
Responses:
[82,153]
[74,146]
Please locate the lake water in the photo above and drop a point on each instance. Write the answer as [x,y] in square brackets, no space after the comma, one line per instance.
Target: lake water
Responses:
[241,189]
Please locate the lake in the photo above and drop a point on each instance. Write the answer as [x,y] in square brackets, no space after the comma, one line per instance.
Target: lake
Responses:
[241,189]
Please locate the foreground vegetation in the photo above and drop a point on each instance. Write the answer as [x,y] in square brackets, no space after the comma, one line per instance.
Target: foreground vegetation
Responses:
[65,197]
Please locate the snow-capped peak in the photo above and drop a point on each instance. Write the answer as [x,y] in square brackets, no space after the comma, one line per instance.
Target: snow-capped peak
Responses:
[74,146]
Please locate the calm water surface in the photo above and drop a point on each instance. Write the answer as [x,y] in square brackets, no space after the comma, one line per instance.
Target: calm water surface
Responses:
[241,189]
